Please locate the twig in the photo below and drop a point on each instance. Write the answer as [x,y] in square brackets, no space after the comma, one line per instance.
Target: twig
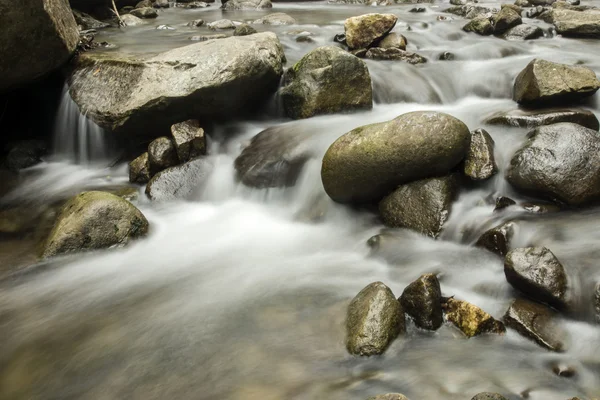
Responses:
[121,23]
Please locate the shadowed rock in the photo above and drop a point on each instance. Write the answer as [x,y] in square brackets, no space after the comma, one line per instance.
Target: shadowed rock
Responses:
[536,322]
[535,118]
[422,300]
[497,240]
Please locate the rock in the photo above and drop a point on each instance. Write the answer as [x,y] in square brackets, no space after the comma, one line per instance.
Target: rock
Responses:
[194,5]
[480,163]
[534,118]
[25,153]
[597,302]
[369,162]
[524,32]
[161,154]
[325,81]
[377,53]
[375,318]
[273,158]
[576,23]
[470,11]
[550,160]
[204,38]
[504,202]
[36,38]
[131,20]
[470,319]
[505,19]
[161,4]
[523,3]
[144,4]
[221,24]
[389,396]
[488,396]
[179,182]
[537,273]
[247,4]
[446,56]
[497,240]
[276,19]
[540,208]
[186,83]
[144,13]
[480,25]
[422,300]
[86,21]
[393,40]
[536,322]
[189,140]
[196,23]
[422,206]
[165,28]
[364,30]
[544,82]
[139,169]
[418,10]
[459,2]
[244,30]
[94,220]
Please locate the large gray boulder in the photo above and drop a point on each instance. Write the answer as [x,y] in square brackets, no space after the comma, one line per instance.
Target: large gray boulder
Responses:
[369,162]
[536,322]
[422,206]
[422,300]
[560,162]
[94,220]
[327,80]
[36,38]
[577,23]
[534,118]
[147,96]
[364,30]
[547,82]
[537,273]
[179,182]
[375,318]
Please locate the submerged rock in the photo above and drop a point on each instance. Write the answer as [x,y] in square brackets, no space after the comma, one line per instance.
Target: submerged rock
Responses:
[524,32]
[369,162]
[161,154]
[375,318]
[139,169]
[571,23]
[36,38]
[189,140]
[560,162]
[422,300]
[536,322]
[94,220]
[537,273]
[480,163]
[246,4]
[480,25]
[423,206]
[497,240]
[276,19]
[377,53]
[185,83]
[534,118]
[364,30]
[325,81]
[179,182]
[470,319]
[543,82]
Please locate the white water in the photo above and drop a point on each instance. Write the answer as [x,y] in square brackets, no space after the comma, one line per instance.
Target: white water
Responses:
[236,295]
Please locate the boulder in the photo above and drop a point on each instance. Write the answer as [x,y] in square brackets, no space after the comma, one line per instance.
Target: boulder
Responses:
[94,220]
[422,300]
[204,38]
[246,4]
[189,140]
[161,154]
[179,182]
[36,38]
[497,240]
[221,24]
[377,53]
[470,319]
[534,118]
[537,273]
[505,19]
[393,40]
[144,4]
[375,318]
[364,30]
[86,21]
[470,11]
[536,322]
[194,81]
[503,202]
[480,163]
[132,20]
[196,23]
[389,396]
[488,396]
[544,82]
[139,169]
[276,19]
[423,205]
[244,30]
[597,302]
[524,32]
[144,13]
[560,162]
[480,25]
[325,81]
[369,162]
[274,157]
[25,153]
[577,23]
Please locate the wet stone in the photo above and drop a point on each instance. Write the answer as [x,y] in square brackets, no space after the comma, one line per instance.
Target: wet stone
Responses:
[597,302]
[534,118]
[497,240]
[389,396]
[480,163]
[161,154]
[470,319]
[244,30]
[139,169]
[377,53]
[189,140]
[504,202]
[536,322]
[488,396]
[179,182]
[422,300]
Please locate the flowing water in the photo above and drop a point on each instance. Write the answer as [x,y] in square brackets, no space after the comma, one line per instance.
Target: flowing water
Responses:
[241,293]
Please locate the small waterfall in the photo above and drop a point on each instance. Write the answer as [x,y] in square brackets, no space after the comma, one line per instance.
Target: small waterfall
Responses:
[77,138]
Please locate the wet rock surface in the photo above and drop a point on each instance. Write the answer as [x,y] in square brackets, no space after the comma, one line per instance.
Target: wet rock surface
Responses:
[377,53]
[422,300]
[535,322]
[364,30]
[480,163]
[571,23]
[535,118]
[139,169]
[597,302]
[488,396]
[188,139]
[497,240]
[524,32]
[389,396]
[179,182]
[161,154]
[470,319]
